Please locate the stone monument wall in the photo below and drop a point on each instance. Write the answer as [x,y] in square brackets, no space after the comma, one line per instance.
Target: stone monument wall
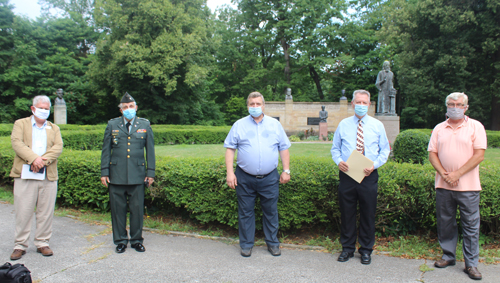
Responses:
[294,115]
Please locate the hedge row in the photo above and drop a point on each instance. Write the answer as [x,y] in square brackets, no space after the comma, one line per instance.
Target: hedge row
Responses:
[197,187]
[89,137]
[492,136]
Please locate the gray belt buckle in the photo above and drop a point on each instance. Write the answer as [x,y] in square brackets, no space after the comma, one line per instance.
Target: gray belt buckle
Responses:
[259,176]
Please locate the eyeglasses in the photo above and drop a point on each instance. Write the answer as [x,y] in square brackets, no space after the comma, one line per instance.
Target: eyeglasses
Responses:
[455,105]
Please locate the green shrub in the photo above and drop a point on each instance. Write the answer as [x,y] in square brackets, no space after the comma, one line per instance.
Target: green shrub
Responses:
[330,136]
[294,138]
[493,138]
[89,139]
[197,187]
[301,135]
[312,138]
[411,146]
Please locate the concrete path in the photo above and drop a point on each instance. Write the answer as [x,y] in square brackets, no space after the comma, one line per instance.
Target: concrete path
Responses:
[85,253]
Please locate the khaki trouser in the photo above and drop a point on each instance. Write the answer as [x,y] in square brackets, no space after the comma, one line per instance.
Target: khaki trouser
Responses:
[28,195]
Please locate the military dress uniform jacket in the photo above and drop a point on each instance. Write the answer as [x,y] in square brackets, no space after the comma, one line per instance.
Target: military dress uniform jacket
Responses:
[122,157]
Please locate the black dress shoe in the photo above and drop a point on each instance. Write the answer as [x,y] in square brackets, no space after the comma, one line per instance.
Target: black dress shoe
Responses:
[121,248]
[344,256]
[274,250]
[246,252]
[366,258]
[138,247]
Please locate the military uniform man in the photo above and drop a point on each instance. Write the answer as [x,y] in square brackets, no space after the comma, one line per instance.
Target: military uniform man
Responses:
[123,166]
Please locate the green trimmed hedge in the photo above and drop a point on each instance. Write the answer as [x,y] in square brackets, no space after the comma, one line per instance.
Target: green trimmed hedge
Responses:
[411,146]
[492,136]
[197,187]
[89,137]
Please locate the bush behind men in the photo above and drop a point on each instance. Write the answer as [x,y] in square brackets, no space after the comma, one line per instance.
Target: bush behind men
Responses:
[124,168]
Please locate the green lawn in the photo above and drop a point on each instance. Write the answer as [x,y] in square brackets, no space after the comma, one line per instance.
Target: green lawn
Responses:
[492,154]
[297,149]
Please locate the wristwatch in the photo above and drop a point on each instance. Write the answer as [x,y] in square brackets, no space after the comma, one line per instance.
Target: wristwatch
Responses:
[287,171]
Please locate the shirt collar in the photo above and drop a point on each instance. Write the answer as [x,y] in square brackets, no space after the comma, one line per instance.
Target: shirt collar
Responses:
[464,123]
[261,121]
[33,123]
[363,119]
[125,121]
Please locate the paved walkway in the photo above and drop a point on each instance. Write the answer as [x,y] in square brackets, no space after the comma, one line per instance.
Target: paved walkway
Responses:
[85,253]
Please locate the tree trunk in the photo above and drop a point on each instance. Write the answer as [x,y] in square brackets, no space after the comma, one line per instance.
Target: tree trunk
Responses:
[317,81]
[285,47]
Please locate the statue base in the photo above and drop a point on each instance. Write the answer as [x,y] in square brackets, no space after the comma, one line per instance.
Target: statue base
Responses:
[323,131]
[60,114]
[391,125]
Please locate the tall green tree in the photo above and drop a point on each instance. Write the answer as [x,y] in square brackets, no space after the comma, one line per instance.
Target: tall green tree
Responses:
[6,54]
[160,52]
[443,46]
[272,45]
[47,55]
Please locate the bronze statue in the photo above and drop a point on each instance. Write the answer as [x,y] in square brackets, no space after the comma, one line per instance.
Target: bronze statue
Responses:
[59,98]
[387,92]
[323,115]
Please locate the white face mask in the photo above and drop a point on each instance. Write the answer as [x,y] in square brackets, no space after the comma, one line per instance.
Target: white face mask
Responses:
[41,113]
[455,113]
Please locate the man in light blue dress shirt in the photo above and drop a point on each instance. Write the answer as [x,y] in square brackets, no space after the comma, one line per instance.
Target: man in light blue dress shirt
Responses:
[351,193]
[259,139]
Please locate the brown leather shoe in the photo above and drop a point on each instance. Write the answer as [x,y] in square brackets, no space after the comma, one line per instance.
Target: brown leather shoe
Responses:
[45,251]
[442,263]
[473,273]
[17,254]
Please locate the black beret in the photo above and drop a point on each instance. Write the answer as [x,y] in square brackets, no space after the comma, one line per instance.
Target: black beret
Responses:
[127,98]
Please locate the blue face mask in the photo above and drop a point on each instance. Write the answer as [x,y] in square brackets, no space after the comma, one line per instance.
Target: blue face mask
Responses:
[255,111]
[360,110]
[129,113]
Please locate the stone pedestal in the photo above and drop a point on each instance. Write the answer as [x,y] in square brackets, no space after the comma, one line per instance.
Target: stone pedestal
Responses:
[391,125]
[323,131]
[60,115]
[288,123]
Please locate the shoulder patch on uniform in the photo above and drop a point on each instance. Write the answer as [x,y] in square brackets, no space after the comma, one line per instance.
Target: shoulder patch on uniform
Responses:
[139,118]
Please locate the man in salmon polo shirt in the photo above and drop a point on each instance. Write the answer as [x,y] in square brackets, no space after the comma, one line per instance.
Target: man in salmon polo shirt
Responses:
[456,148]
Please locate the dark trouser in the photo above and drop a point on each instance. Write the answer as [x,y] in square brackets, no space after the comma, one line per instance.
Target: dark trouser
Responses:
[446,213]
[118,197]
[350,194]
[247,190]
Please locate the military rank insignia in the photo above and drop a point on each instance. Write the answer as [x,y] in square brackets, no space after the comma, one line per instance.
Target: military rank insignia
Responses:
[141,130]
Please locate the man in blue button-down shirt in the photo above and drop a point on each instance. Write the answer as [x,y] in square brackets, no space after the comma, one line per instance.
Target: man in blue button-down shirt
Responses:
[258,139]
[376,148]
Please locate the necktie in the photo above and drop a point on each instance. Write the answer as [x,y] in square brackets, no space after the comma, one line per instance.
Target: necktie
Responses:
[360,142]
[128,126]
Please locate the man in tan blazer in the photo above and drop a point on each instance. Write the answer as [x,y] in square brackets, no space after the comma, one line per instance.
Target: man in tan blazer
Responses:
[37,143]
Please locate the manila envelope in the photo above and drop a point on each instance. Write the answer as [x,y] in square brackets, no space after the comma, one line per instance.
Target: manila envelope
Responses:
[357,163]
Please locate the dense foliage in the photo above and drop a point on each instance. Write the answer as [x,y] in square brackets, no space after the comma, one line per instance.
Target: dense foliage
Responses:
[196,187]
[411,146]
[444,46]
[187,65]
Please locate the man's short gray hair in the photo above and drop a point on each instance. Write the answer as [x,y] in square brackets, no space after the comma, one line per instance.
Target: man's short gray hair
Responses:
[254,95]
[121,104]
[362,91]
[41,99]
[456,96]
